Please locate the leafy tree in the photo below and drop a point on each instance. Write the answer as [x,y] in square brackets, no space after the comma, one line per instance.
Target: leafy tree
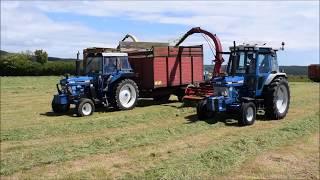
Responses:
[41,56]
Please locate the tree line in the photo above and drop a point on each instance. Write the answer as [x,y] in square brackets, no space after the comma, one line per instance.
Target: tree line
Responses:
[35,63]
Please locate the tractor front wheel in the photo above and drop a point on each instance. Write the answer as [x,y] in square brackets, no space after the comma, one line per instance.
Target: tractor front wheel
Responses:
[202,111]
[60,108]
[248,114]
[85,107]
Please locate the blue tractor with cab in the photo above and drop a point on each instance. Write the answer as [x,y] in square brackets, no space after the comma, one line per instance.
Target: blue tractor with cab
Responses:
[252,82]
[107,81]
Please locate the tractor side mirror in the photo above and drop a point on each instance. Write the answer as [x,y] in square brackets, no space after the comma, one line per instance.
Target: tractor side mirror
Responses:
[282,46]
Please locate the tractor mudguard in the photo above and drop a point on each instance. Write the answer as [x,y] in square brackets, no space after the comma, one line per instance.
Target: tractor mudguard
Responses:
[247,99]
[272,76]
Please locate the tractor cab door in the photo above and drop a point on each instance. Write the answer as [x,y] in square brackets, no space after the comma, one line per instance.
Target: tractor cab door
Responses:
[243,63]
[263,69]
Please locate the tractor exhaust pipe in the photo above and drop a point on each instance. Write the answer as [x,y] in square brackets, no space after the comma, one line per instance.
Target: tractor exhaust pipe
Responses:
[78,65]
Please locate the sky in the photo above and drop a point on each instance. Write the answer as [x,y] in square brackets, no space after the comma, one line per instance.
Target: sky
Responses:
[64,27]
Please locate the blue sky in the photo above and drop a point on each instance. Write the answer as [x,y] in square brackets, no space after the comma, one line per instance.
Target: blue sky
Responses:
[64,27]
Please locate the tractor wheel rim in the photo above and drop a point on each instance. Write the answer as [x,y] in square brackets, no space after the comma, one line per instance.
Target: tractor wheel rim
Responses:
[127,95]
[86,109]
[282,99]
[249,114]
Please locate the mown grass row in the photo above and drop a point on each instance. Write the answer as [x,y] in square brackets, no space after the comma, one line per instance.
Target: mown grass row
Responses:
[22,158]
[90,125]
[218,159]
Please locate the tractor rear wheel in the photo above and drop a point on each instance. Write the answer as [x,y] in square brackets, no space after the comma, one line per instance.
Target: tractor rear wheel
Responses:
[85,107]
[202,111]
[248,114]
[60,108]
[126,95]
[277,98]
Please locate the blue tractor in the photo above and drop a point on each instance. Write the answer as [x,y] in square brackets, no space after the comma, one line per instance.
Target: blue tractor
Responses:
[107,81]
[252,82]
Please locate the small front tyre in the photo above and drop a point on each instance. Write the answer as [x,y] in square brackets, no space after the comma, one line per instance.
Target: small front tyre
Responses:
[85,107]
[247,114]
[202,111]
[60,108]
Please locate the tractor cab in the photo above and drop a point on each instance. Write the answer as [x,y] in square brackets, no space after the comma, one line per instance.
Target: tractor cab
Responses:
[253,65]
[106,64]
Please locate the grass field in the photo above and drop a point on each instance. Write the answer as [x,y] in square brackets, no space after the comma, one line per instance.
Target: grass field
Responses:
[151,141]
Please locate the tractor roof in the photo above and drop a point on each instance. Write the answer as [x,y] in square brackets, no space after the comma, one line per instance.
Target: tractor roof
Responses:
[114,54]
[252,47]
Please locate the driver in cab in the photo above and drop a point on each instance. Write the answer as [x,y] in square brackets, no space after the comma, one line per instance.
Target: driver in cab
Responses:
[110,67]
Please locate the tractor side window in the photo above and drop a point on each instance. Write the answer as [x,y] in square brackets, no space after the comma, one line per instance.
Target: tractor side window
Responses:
[241,63]
[263,64]
[110,64]
[124,63]
[251,63]
[274,62]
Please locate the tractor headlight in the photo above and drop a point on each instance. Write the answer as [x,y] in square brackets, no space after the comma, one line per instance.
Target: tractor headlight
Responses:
[221,91]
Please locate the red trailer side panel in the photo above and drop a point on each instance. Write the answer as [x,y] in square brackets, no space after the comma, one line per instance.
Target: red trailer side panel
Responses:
[197,69]
[160,72]
[186,67]
[168,66]
[173,71]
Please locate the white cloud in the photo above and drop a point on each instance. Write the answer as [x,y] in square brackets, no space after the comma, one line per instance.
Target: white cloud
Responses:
[296,23]
[25,28]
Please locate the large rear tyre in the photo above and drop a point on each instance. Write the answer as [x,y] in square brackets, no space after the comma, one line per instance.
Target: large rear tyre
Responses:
[277,99]
[60,108]
[126,95]
[202,111]
[85,107]
[248,114]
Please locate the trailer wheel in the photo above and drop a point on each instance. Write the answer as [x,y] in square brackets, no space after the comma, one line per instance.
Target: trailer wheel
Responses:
[85,107]
[202,111]
[277,99]
[60,108]
[126,95]
[248,114]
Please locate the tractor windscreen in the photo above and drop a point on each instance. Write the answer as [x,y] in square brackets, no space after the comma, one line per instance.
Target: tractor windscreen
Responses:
[94,65]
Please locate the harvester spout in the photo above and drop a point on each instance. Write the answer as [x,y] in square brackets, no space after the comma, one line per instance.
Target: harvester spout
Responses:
[218,47]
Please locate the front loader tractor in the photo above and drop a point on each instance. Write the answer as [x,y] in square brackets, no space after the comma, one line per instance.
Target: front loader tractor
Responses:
[107,80]
[252,82]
